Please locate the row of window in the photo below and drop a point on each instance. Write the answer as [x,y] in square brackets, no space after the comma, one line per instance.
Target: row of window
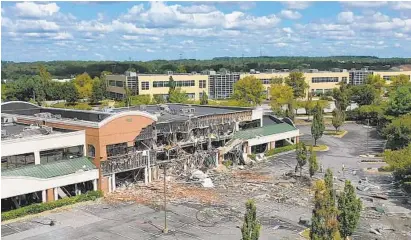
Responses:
[324,79]
[266,80]
[186,83]
[203,84]
[145,85]
[116,83]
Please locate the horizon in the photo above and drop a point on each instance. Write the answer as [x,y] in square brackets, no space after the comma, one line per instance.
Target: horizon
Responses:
[171,31]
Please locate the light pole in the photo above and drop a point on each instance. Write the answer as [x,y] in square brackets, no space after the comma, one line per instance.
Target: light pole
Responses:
[165,230]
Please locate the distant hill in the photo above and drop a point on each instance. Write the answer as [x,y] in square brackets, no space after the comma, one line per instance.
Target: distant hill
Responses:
[65,69]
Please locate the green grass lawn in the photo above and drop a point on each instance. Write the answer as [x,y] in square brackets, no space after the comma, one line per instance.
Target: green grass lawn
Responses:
[339,133]
[318,148]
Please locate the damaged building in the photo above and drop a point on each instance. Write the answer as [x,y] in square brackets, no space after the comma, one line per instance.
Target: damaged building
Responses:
[123,145]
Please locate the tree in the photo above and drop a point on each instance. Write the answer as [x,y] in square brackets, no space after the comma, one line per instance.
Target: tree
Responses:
[317,126]
[249,90]
[308,105]
[45,76]
[84,85]
[338,119]
[280,95]
[400,80]
[324,223]
[296,81]
[400,162]
[177,96]
[137,100]
[341,99]
[400,101]
[181,69]
[98,91]
[312,162]
[171,85]
[70,92]
[363,94]
[158,99]
[349,210]
[301,156]
[277,80]
[251,226]
[398,132]
[377,82]
[204,99]
[3,91]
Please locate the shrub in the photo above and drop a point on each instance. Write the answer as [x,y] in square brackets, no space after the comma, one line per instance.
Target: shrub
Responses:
[41,207]
[228,163]
[279,150]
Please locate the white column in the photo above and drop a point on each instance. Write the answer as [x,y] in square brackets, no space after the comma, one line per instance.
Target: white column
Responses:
[237,126]
[216,159]
[76,189]
[56,194]
[44,196]
[110,182]
[113,184]
[36,157]
[95,184]
[145,176]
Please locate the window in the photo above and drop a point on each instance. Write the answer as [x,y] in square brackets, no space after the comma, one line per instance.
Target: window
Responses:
[160,84]
[116,149]
[188,83]
[324,79]
[91,151]
[17,161]
[387,78]
[203,84]
[61,154]
[119,84]
[191,95]
[344,79]
[145,85]
[112,83]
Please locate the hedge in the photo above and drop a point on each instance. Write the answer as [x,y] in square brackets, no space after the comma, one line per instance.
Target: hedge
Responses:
[41,207]
[279,150]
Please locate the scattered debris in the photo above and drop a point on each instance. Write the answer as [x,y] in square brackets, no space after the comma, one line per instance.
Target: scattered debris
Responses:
[207,183]
[375,231]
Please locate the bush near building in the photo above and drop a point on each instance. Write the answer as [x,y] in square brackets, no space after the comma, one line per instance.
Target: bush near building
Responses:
[41,207]
[279,150]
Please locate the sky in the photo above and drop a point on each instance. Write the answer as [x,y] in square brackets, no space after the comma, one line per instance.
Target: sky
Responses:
[142,31]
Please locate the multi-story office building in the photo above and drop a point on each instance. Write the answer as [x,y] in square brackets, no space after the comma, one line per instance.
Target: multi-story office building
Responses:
[319,82]
[117,84]
[358,77]
[156,84]
[221,85]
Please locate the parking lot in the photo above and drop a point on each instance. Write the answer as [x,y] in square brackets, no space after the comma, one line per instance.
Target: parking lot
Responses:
[195,221]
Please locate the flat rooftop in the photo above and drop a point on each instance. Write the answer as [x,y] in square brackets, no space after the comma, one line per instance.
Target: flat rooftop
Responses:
[180,112]
[11,131]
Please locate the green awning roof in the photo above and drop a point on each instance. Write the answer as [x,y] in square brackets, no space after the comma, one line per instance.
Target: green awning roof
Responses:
[264,131]
[50,170]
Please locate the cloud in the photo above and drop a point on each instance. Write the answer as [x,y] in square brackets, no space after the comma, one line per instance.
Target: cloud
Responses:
[246,5]
[31,25]
[289,14]
[361,4]
[300,5]
[197,9]
[37,10]
[63,36]
[288,30]
[345,17]
[401,5]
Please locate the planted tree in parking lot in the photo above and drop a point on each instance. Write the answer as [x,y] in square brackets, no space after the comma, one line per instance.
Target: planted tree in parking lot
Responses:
[349,208]
[251,226]
[398,132]
[312,162]
[301,151]
[338,119]
[204,99]
[317,126]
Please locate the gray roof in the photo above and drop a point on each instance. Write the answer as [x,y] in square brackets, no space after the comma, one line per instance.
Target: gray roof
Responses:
[199,110]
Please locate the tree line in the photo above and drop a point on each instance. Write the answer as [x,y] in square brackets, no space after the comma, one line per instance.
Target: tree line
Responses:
[66,69]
